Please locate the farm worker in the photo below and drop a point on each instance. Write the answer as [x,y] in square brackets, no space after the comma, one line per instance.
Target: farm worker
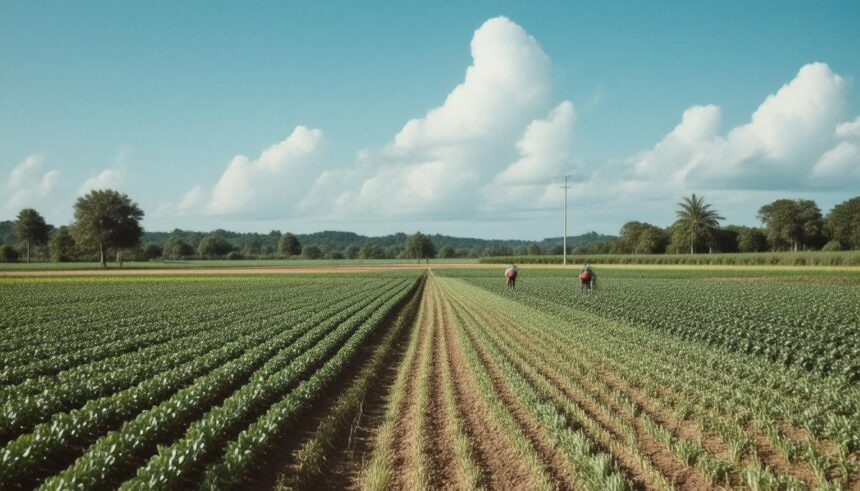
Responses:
[511,276]
[587,277]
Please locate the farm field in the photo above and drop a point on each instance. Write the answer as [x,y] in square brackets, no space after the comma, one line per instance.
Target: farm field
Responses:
[411,379]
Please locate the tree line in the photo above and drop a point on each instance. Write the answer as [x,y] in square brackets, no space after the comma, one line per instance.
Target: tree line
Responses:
[107,223]
[786,225]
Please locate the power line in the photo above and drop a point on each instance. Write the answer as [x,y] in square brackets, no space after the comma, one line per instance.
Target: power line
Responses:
[564,237]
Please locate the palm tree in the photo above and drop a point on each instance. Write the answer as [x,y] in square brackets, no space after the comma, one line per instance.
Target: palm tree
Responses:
[697,218]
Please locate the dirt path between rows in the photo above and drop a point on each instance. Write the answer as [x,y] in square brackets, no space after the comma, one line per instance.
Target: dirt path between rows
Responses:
[501,466]
[441,444]
[404,462]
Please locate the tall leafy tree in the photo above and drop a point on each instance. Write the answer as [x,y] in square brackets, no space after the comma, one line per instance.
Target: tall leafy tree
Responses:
[419,246]
[62,245]
[213,245]
[843,223]
[176,248]
[792,223]
[31,229]
[751,239]
[696,219]
[651,240]
[106,219]
[289,245]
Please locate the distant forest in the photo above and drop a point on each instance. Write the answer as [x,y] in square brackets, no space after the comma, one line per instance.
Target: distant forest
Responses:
[180,244]
[787,225]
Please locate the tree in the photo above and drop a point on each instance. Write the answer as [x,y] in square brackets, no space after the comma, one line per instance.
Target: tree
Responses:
[351,252]
[419,246]
[371,251]
[447,252]
[843,223]
[213,245]
[651,240]
[8,254]
[751,239]
[151,251]
[724,239]
[31,229]
[642,238]
[499,251]
[106,219]
[696,219]
[312,252]
[176,248]
[628,236]
[252,246]
[289,245]
[535,250]
[62,245]
[792,223]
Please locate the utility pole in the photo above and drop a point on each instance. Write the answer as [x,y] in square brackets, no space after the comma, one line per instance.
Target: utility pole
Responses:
[564,239]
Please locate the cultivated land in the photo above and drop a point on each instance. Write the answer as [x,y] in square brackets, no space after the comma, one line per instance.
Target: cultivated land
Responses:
[412,378]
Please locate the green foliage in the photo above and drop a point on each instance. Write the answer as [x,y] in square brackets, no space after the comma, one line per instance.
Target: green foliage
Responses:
[696,220]
[176,248]
[106,219]
[832,246]
[8,254]
[843,223]
[31,229]
[371,251]
[289,245]
[751,239]
[213,246]
[446,252]
[419,246]
[792,224]
[62,245]
[535,250]
[312,252]
[806,258]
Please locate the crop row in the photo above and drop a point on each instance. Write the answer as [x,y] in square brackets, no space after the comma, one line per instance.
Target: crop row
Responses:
[179,394]
[814,327]
[732,418]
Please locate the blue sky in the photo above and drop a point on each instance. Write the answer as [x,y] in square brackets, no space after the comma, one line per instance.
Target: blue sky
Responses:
[176,103]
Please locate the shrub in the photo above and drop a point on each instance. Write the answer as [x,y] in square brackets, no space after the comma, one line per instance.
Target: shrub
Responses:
[8,254]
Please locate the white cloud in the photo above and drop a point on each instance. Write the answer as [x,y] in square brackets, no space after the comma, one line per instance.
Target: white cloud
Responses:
[545,148]
[28,186]
[790,143]
[843,161]
[107,179]
[545,153]
[271,183]
[849,130]
[437,165]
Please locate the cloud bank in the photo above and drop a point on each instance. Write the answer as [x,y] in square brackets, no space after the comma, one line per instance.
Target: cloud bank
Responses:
[498,143]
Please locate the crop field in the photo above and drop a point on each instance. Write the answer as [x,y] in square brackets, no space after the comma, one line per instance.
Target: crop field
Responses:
[428,379]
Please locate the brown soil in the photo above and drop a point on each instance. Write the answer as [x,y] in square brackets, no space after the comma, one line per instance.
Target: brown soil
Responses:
[443,466]
[283,456]
[553,461]
[501,465]
[675,471]
[404,460]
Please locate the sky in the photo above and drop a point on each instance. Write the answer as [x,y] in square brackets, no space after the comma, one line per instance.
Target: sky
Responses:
[446,117]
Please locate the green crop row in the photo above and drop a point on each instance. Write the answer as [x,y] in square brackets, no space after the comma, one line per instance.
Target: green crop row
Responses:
[809,325]
[804,258]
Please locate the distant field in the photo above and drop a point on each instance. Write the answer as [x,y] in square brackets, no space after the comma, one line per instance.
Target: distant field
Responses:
[221,263]
[803,258]
[664,378]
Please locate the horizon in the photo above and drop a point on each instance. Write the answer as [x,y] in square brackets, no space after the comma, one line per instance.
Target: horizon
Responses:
[453,120]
